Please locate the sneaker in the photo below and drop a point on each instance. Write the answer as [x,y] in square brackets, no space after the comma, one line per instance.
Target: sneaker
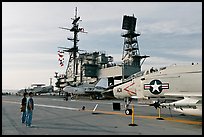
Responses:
[29,126]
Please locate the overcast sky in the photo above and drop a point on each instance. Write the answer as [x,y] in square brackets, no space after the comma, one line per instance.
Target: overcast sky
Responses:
[171,32]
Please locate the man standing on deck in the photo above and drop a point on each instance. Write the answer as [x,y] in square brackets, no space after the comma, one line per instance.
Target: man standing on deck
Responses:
[29,110]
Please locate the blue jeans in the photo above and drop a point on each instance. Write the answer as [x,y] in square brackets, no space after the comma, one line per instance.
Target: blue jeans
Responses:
[29,115]
[23,117]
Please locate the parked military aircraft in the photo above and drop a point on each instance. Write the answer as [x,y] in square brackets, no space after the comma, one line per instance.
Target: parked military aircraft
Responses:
[41,88]
[95,91]
[177,86]
[37,89]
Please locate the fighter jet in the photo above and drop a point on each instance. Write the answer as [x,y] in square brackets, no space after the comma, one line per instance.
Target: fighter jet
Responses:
[177,87]
[95,91]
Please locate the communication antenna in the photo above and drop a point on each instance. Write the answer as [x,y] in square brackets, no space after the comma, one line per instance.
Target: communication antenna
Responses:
[72,67]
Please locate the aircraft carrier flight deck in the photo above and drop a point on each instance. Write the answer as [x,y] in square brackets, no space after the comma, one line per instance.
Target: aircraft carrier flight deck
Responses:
[54,116]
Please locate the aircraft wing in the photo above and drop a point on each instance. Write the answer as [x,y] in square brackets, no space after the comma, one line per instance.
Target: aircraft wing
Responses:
[187,101]
[189,105]
[184,94]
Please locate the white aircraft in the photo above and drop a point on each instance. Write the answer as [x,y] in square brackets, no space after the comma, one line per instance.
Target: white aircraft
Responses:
[178,87]
[37,89]
[95,91]
[41,88]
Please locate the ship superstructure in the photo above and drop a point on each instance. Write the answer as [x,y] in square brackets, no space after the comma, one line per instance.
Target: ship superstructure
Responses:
[85,67]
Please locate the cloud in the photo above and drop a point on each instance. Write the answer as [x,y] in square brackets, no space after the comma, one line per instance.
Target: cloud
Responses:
[170,33]
[190,53]
[159,62]
[29,61]
[22,78]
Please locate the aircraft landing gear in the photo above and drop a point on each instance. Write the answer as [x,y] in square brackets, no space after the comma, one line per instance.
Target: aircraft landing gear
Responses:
[127,103]
[66,96]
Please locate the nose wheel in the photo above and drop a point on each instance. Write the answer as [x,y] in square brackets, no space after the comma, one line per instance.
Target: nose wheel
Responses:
[128,111]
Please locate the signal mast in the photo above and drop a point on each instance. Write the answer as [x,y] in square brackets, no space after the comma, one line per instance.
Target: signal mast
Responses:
[72,66]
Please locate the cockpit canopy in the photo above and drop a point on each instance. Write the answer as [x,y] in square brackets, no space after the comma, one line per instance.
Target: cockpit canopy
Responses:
[144,72]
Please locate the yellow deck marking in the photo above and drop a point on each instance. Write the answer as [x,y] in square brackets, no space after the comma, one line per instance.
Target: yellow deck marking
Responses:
[152,117]
[120,113]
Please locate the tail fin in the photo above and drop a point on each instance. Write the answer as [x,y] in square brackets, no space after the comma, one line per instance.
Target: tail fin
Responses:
[102,83]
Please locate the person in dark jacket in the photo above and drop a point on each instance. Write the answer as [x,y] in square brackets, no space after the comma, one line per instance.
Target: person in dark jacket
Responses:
[23,107]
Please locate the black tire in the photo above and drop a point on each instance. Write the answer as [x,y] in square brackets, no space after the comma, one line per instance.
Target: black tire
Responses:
[128,111]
